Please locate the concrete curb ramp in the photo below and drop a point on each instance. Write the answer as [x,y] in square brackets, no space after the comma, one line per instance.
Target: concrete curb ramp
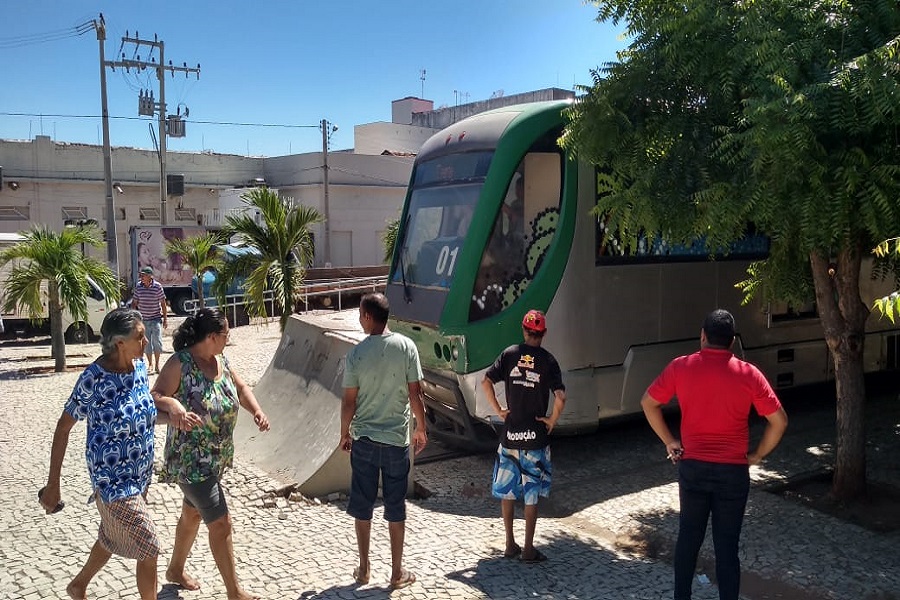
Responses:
[301,394]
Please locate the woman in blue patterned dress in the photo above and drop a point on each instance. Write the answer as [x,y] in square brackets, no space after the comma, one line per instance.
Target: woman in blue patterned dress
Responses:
[201,380]
[113,395]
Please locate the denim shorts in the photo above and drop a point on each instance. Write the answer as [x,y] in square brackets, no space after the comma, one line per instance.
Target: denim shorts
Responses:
[368,459]
[207,497]
[153,332]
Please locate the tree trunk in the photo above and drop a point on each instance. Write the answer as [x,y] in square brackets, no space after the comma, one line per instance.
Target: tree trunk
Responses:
[844,316]
[288,305]
[57,338]
[200,301]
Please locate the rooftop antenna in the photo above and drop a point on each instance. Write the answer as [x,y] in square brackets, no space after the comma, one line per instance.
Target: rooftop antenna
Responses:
[422,77]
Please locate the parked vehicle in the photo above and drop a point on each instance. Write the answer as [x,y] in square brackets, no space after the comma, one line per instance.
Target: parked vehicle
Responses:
[76,331]
[235,287]
[148,248]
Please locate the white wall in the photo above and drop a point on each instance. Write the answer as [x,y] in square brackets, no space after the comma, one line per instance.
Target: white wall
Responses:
[376,138]
[365,191]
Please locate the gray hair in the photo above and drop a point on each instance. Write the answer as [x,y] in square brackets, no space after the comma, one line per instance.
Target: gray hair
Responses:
[118,324]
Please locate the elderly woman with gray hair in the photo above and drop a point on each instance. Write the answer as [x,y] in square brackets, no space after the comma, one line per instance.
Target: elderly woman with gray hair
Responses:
[113,396]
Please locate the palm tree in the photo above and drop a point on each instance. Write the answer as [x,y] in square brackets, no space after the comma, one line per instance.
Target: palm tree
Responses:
[200,253]
[285,245]
[390,239]
[57,260]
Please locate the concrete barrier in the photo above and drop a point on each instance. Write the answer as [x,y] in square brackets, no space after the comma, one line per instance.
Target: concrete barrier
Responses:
[301,394]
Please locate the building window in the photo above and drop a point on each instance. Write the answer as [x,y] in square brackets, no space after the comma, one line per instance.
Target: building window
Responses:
[74,213]
[15,213]
[120,213]
[185,214]
[149,213]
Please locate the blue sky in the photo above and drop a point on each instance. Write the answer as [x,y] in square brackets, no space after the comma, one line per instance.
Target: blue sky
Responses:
[286,63]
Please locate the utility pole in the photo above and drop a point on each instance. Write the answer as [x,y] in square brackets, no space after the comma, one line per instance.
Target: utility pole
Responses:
[325,126]
[146,105]
[112,244]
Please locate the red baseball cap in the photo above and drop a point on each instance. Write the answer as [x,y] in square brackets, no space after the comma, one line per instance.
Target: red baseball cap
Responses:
[535,321]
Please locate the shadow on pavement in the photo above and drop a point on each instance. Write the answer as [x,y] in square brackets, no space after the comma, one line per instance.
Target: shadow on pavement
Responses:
[576,568]
[170,591]
[625,457]
[349,591]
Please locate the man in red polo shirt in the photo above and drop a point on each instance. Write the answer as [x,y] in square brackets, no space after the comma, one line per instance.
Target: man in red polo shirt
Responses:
[715,392]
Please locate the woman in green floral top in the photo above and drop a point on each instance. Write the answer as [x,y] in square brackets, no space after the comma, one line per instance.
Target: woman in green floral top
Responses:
[199,378]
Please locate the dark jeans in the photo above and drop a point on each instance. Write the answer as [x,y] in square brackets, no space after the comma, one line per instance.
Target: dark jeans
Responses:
[706,488]
[368,458]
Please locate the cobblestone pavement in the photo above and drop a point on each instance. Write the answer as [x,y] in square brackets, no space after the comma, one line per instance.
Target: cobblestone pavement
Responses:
[608,527]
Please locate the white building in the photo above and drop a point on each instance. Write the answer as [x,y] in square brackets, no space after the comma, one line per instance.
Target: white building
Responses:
[49,183]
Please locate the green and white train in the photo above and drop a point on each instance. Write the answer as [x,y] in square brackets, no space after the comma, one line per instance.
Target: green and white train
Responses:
[474,254]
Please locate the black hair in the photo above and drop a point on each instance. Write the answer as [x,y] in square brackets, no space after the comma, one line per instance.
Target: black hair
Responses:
[719,328]
[118,324]
[376,306]
[198,327]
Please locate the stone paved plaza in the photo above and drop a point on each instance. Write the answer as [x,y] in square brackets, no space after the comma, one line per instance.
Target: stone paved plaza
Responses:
[608,528]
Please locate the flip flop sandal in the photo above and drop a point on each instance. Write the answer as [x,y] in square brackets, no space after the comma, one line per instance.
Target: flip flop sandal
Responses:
[57,508]
[516,551]
[361,578]
[538,557]
[406,578]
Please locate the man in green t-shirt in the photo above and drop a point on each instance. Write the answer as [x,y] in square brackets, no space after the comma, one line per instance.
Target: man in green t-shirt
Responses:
[382,381]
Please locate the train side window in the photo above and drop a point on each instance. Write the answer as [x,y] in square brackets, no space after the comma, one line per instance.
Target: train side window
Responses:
[523,231]
[612,247]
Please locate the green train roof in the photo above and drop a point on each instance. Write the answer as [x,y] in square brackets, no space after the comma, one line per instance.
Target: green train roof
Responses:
[482,131]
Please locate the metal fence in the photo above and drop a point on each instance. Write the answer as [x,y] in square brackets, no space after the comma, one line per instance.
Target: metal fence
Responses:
[332,291]
[341,288]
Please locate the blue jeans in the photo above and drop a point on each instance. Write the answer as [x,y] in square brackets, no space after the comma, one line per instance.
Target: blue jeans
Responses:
[706,488]
[367,459]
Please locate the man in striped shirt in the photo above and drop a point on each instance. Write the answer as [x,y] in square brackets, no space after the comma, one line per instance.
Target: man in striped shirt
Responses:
[150,300]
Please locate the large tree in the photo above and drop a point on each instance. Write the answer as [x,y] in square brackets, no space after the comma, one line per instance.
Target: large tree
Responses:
[201,254]
[780,113]
[286,248]
[54,266]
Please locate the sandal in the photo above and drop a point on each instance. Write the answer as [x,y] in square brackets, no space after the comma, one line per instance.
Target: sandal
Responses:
[513,552]
[362,578]
[406,578]
[538,557]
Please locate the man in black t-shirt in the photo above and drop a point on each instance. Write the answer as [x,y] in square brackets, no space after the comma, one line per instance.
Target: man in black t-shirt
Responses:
[522,470]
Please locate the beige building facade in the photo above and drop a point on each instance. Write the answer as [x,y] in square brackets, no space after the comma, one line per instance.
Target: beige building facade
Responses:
[53,184]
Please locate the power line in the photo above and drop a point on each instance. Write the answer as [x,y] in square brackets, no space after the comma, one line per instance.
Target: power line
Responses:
[48,36]
[230,123]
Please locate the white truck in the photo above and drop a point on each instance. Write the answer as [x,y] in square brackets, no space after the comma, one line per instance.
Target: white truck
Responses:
[19,323]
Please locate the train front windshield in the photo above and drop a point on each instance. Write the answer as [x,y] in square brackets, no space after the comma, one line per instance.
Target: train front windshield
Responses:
[441,205]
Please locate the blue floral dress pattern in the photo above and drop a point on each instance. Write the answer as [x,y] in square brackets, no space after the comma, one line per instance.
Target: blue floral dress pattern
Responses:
[205,451]
[120,418]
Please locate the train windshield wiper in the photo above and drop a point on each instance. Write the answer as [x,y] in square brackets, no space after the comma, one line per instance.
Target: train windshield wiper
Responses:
[406,293]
